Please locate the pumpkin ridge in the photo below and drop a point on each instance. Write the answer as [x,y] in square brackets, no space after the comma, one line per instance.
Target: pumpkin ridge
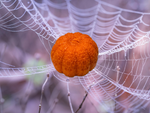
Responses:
[63,58]
[63,62]
[92,42]
[55,47]
[83,61]
[88,56]
[62,55]
[94,62]
[91,63]
[76,63]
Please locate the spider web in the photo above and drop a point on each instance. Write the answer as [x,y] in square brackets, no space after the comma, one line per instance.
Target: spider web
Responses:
[122,37]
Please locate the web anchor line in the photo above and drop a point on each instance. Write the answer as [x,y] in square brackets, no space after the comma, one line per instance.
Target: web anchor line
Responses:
[110,26]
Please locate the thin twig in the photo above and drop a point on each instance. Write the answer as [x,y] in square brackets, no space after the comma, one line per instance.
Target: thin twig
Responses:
[118,69]
[55,103]
[1,101]
[1,96]
[26,96]
[93,104]
[30,83]
[95,83]
[86,94]
[69,99]
[42,92]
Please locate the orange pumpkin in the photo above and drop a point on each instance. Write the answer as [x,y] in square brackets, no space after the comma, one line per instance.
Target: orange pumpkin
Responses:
[74,54]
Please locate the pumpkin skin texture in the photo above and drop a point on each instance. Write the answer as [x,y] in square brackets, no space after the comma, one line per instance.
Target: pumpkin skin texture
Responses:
[74,54]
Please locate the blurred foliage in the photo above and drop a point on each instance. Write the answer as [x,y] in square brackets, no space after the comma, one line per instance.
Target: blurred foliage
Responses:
[37,79]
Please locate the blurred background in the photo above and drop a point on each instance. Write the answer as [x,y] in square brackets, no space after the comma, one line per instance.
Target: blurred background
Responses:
[21,94]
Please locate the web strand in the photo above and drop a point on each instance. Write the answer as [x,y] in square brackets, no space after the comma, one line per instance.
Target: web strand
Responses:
[122,41]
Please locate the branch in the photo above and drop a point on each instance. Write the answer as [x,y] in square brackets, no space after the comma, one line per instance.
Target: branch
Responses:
[69,96]
[86,94]
[118,69]
[42,92]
